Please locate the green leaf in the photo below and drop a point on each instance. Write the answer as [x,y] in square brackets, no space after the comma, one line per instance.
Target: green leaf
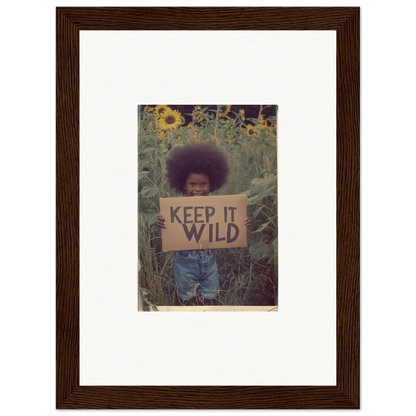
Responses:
[261,228]
[143,174]
[149,149]
[275,244]
[143,163]
[257,181]
[275,255]
[257,212]
[261,184]
[151,217]
[149,191]
[254,199]
[258,249]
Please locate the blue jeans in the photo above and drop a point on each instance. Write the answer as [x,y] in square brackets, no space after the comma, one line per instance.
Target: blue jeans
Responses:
[196,269]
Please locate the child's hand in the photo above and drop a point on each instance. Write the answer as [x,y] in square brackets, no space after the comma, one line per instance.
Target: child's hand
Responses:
[247,222]
[160,222]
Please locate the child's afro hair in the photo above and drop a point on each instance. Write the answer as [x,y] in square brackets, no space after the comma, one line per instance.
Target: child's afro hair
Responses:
[197,158]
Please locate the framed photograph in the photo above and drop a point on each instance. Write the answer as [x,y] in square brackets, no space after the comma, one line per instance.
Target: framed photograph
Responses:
[207,161]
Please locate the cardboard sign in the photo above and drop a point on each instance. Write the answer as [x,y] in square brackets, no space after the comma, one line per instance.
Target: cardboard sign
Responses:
[204,222]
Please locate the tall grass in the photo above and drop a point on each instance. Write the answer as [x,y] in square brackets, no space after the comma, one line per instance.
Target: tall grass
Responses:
[248,276]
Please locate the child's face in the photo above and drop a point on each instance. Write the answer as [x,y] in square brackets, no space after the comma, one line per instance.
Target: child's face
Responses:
[197,184]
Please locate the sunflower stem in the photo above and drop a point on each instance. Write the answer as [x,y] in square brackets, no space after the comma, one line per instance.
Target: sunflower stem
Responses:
[216,123]
[261,108]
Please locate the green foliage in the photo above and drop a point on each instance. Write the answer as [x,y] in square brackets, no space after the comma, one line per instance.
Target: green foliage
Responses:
[248,276]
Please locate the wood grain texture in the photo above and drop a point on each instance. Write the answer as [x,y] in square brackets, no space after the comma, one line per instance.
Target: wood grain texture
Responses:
[69,394]
[67,209]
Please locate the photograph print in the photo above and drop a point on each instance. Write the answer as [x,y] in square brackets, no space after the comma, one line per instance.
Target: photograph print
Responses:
[207,207]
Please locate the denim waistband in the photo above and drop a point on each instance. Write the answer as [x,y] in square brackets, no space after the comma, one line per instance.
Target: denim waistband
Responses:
[197,253]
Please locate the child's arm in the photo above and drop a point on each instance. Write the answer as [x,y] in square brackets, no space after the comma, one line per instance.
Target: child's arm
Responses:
[247,222]
[160,222]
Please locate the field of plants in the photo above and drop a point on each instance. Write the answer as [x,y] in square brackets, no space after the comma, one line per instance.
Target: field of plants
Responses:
[248,135]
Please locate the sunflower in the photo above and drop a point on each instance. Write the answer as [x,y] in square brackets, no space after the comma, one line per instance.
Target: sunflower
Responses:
[262,123]
[251,130]
[227,109]
[170,119]
[196,111]
[242,114]
[160,109]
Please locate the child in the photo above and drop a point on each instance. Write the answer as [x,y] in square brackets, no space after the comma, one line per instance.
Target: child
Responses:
[196,169]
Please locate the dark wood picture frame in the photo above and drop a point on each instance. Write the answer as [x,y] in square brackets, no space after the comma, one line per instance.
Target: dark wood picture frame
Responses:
[69,394]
